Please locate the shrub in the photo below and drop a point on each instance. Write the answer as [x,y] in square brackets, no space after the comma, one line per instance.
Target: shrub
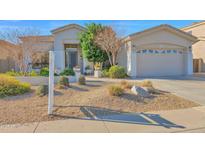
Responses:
[44,71]
[146,83]
[67,72]
[14,73]
[126,85]
[63,82]
[115,90]
[33,73]
[117,72]
[10,86]
[105,73]
[42,90]
[81,80]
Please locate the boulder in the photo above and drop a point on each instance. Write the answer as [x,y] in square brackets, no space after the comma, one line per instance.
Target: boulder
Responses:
[143,92]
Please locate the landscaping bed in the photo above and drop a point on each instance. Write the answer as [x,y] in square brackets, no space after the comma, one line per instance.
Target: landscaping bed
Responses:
[72,102]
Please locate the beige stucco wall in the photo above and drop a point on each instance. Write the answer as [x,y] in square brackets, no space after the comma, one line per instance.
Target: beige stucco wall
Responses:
[122,56]
[161,40]
[199,47]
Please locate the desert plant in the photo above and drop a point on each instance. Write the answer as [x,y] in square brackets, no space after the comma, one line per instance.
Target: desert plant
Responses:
[67,72]
[125,85]
[42,90]
[117,72]
[63,82]
[32,73]
[105,73]
[81,80]
[115,90]
[44,71]
[10,86]
[146,83]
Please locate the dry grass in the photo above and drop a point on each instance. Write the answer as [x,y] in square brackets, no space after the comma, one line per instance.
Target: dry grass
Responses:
[126,85]
[70,103]
[115,90]
[145,83]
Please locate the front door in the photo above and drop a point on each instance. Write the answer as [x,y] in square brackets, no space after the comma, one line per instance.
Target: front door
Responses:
[71,57]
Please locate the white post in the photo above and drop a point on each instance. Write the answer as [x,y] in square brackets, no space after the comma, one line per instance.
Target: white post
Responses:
[51,83]
[189,63]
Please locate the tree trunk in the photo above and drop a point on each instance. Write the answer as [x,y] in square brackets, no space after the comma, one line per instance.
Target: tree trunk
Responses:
[110,58]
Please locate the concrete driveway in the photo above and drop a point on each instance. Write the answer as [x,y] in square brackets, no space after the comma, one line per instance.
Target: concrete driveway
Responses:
[192,87]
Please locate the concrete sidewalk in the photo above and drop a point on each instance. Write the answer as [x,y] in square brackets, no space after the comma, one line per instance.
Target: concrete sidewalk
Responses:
[193,120]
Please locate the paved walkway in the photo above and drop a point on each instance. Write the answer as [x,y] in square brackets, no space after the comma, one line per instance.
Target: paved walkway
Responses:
[184,120]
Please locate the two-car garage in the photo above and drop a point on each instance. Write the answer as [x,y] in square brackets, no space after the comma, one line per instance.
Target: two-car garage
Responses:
[159,51]
[160,63]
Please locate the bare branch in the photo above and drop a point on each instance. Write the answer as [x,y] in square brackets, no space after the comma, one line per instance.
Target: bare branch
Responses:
[107,40]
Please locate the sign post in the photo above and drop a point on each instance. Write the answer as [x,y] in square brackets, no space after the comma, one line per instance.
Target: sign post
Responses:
[51,83]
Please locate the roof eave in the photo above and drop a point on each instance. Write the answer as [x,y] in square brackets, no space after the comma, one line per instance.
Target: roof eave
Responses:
[67,27]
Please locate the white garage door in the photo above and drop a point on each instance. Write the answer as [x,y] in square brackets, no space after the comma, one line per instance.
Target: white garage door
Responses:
[160,63]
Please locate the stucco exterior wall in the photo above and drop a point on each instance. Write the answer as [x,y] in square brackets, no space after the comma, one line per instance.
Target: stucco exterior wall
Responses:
[161,39]
[199,47]
[122,56]
[199,52]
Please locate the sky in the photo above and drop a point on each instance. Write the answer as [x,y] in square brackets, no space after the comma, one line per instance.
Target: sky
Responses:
[122,27]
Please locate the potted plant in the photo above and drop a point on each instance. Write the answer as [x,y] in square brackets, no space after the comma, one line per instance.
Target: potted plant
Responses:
[88,69]
[76,68]
[97,72]
[77,72]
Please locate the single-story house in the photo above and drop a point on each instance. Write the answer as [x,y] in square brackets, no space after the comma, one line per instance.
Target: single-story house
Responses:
[198,29]
[158,51]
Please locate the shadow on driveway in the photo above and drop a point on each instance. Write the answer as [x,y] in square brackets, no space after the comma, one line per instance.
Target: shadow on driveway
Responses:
[103,114]
[126,117]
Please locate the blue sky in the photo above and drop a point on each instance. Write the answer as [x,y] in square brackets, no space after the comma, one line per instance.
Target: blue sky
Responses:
[123,27]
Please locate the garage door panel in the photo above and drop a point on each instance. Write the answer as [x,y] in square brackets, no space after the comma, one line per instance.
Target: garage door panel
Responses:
[160,64]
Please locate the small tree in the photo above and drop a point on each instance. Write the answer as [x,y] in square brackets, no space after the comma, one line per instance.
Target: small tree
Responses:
[25,51]
[107,40]
[89,49]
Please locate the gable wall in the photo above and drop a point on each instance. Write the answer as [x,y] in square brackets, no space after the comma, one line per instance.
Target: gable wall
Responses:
[161,39]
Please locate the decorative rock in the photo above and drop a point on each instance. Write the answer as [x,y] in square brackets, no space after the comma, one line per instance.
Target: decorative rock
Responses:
[140,91]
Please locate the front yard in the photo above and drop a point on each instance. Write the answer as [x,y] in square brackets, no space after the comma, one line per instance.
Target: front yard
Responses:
[72,103]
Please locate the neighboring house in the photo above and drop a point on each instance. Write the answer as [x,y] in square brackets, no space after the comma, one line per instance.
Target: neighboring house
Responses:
[158,51]
[198,30]
[35,49]
[7,55]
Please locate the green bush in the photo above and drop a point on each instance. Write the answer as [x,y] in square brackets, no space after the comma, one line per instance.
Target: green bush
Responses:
[33,73]
[105,73]
[117,72]
[63,82]
[67,72]
[81,80]
[44,71]
[115,90]
[42,90]
[10,86]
